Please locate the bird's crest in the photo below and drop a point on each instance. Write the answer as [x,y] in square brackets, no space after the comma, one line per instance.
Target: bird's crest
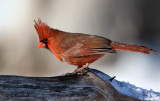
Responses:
[43,29]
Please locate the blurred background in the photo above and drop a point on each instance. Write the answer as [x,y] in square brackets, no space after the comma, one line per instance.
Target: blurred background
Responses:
[127,21]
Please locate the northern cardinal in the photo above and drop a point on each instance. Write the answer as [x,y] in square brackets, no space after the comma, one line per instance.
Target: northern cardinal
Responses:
[80,49]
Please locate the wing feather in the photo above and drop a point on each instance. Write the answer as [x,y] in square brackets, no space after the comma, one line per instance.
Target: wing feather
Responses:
[80,45]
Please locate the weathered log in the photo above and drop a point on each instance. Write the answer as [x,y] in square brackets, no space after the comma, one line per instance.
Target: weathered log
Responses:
[88,87]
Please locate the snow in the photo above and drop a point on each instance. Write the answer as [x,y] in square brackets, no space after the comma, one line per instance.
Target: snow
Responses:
[128,89]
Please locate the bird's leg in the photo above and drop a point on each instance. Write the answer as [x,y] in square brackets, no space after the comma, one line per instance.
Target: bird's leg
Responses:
[79,68]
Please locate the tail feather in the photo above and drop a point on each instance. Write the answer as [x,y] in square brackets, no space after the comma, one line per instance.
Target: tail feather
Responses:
[133,48]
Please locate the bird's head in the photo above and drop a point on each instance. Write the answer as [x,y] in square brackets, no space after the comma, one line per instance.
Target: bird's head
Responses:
[44,33]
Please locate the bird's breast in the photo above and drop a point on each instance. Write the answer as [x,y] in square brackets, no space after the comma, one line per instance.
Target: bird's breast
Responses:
[81,60]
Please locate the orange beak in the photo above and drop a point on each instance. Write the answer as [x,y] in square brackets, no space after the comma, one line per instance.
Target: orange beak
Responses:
[41,45]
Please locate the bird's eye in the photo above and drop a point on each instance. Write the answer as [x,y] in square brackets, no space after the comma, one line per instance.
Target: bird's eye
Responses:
[45,40]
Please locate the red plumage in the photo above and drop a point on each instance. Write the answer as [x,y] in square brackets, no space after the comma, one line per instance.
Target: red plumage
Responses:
[80,49]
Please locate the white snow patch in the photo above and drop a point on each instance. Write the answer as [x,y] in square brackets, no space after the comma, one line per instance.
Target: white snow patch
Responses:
[128,89]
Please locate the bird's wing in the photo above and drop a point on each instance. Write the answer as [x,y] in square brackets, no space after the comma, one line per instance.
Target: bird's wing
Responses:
[80,45]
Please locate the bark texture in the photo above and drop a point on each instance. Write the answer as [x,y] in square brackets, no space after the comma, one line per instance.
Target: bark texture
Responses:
[88,87]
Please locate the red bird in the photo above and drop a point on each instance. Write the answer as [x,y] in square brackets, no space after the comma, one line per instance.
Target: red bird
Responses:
[80,49]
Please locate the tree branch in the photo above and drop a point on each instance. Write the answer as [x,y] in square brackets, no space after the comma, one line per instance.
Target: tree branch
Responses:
[87,87]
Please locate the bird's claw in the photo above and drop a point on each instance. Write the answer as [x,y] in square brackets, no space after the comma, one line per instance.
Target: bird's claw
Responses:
[79,70]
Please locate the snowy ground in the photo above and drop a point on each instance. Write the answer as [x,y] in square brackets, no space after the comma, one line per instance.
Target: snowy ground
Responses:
[128,89]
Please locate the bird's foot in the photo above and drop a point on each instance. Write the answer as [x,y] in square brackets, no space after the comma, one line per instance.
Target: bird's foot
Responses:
[79,70]
[82,72]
